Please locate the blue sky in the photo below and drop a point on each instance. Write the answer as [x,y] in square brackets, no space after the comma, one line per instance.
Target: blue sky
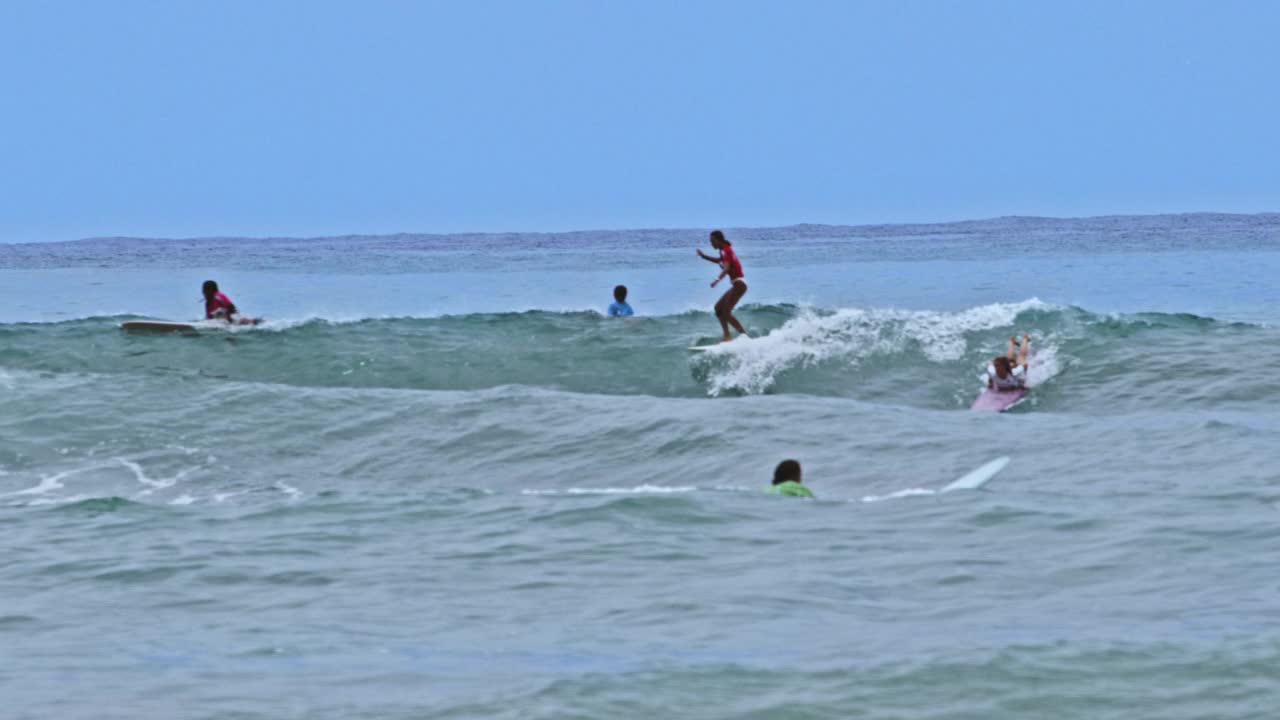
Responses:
[173,118]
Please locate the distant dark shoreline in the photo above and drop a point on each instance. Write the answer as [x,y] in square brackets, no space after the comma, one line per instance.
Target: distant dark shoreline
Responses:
[1101,223]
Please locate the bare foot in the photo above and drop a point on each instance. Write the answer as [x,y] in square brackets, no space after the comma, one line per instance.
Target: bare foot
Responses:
[726,339]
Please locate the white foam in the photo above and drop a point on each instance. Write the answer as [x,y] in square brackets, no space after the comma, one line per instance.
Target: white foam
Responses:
[153,483]
[281,324]
[1043,363]
[853,334]
[637,490]
[293,492]
[42,381]
[140,474]
[909,492]
[53,482]
[46,484]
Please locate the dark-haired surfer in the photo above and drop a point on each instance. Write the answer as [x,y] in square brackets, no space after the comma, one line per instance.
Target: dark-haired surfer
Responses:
[620,308]
[786,480]
[729,265]
[217,306]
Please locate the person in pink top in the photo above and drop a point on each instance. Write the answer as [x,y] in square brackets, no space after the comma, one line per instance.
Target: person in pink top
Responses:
[729,265]
[217,306]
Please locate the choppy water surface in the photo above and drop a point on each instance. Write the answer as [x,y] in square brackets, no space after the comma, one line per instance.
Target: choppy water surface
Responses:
[436,482]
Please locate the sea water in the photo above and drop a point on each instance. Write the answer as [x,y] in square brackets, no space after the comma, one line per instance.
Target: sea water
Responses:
[437,482]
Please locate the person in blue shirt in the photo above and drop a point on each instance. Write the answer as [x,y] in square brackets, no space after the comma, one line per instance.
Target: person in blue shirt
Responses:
[620,308]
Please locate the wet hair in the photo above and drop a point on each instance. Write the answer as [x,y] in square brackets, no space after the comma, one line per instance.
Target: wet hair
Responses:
[620,293]
[1003,362]
[209,286]
[718,236]
[786,470]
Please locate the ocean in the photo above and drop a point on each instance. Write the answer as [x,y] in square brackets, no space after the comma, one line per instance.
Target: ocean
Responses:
[436,482]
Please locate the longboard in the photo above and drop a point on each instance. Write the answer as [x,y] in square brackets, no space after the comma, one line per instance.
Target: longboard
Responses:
[990,400]
[161,326]
[156,326]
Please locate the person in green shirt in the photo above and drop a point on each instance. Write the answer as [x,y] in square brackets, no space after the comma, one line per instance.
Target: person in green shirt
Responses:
[786,480]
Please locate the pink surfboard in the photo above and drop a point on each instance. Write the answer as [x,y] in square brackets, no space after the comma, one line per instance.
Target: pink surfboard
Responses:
[997,400]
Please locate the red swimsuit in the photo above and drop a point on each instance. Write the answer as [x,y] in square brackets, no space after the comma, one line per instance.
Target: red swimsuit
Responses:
[219,302]
[729,261]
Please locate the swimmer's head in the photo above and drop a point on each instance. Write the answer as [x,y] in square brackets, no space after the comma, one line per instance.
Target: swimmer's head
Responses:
[620,293]
[209,289]
[787,471]
[718,240]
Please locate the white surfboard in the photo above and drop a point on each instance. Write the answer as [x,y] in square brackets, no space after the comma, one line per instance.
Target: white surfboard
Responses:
[156,326]
[979,477]
[971,481]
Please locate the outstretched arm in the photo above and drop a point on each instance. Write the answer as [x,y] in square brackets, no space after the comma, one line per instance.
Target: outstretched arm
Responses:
[1012,352]
[708,258]
[720,277]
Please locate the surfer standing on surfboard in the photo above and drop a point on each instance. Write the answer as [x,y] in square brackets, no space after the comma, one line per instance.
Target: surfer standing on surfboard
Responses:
[217,306]
[729,265]
[1009,371]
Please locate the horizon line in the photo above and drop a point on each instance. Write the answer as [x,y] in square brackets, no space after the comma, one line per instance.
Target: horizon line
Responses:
[727,228]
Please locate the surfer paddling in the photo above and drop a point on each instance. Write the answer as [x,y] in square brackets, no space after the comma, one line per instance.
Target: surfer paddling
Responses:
[1009,371]
[729,265]
[217,306]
